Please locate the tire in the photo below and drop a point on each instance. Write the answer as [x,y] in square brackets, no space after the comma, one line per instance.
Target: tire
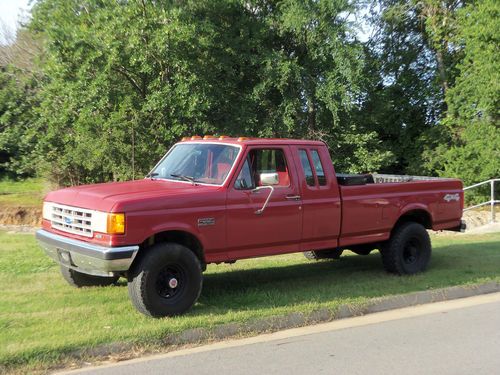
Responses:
[323,254]
[79,280]
[408,251]
[166,281]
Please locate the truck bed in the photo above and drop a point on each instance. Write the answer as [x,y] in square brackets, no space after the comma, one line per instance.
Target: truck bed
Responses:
[369,209]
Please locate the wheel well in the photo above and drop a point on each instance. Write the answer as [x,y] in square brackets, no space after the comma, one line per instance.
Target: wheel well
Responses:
[180,237]
[418,216]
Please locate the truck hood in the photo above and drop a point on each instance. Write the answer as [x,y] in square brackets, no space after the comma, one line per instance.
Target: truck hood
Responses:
[123,196]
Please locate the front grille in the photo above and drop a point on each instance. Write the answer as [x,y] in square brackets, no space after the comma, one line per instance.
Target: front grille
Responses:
[72,220]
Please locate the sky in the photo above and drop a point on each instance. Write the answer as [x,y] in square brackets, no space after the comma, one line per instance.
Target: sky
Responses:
[10,13]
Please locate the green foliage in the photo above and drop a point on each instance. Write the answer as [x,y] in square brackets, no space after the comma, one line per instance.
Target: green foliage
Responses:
[401,99]
[473,149]
[310,83]
[18,134]
[474,157]
[99,90]
[123,81]
[476,94]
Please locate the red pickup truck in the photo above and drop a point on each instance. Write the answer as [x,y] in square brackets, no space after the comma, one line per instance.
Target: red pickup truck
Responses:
[212,200]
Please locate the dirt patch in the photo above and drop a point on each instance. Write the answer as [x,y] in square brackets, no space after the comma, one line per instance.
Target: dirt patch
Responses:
[31,216]
[478,218]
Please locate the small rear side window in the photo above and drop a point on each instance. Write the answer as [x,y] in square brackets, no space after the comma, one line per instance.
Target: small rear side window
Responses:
[318,167]
[306,166]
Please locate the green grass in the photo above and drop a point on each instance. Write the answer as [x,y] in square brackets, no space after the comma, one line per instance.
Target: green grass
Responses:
[25,193]
[41,317]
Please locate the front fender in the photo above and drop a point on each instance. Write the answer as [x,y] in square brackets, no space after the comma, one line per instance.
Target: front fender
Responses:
[173,226]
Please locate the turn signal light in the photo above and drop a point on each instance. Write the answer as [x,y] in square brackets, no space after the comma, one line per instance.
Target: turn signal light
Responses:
[194,137]
[240,139]
[185,139]
[116,224]
[209,137]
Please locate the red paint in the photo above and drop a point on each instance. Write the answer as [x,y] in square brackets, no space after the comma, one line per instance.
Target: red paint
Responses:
[325,216]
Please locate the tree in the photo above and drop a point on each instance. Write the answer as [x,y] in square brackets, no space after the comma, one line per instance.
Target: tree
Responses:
[401,99]
[473,148]
[123,81]
[126,80]
[19,82]
[17,135]
[311,80]
[117,83]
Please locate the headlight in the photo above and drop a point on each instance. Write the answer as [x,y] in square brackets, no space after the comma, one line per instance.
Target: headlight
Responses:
[47,210]
[109,223]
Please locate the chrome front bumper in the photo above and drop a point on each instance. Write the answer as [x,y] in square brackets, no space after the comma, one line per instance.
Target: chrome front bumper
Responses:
[86,257]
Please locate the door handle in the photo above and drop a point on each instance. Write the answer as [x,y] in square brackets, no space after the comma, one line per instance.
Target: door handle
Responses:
[292,197]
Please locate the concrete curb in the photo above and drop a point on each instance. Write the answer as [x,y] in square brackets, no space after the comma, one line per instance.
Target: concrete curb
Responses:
[294,320]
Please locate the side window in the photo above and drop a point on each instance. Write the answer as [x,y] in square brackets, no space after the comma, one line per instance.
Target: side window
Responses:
[306,166]
[318,167]
[268,163]
[245,180]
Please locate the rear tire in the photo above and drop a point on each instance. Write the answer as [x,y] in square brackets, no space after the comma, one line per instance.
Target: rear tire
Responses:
[79,280]
[323,254]
[408,251]
[166,281]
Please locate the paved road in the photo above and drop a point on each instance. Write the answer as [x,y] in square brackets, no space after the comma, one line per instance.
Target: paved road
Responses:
[455,337]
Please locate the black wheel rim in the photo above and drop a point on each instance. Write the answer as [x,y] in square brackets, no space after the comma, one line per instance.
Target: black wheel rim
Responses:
[170,282]
[411,251]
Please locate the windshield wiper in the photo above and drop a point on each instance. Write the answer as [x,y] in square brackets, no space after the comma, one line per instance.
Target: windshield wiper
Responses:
[185,178]
[151,175]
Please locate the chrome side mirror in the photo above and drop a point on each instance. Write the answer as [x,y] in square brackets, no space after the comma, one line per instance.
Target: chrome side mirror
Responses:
[269,179]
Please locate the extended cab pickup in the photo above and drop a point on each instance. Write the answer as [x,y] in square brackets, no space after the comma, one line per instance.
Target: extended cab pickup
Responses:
[215,200]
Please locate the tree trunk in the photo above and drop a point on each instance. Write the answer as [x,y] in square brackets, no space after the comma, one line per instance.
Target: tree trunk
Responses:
[311,115]
[442,71]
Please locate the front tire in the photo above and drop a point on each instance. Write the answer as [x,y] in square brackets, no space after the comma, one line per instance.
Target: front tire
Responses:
[166,281]
[408,251]
[79,280]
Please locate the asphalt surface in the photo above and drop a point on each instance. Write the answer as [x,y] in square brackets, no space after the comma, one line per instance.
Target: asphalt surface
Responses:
[454,337]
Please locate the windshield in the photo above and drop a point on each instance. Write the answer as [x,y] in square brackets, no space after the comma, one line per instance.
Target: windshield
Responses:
[196,162]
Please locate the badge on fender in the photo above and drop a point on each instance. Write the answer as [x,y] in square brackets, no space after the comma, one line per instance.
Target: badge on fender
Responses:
[205,221]
[451,197]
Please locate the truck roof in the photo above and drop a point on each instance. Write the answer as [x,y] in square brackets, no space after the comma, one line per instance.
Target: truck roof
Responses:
[251,140]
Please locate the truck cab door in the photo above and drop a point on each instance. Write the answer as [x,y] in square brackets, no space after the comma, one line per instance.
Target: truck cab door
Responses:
[321,203]
[265,173]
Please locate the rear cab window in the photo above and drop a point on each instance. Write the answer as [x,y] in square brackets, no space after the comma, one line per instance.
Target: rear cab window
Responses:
[306,167]
[318,167]
[312,167]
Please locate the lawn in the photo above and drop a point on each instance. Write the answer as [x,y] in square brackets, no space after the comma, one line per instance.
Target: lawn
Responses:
[41,317]
[25,193]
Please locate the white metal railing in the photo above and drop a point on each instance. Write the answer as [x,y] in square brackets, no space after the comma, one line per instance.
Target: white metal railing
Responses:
[492,200]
